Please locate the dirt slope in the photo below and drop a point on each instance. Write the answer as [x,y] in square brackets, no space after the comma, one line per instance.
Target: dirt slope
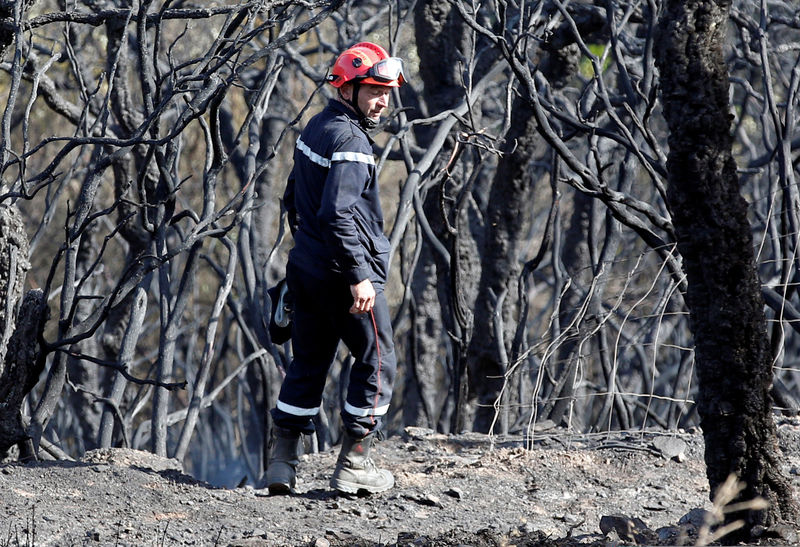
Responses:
[451,490]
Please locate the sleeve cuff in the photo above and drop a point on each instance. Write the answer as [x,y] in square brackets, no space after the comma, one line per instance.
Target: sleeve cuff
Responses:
[358,274]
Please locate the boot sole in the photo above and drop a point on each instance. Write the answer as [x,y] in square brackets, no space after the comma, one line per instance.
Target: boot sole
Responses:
[356,488]
[279,488]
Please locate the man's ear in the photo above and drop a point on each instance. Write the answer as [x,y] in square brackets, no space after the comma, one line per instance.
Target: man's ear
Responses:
[346,91]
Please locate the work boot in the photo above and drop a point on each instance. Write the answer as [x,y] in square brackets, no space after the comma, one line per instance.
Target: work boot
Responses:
[283,460]
[355,471]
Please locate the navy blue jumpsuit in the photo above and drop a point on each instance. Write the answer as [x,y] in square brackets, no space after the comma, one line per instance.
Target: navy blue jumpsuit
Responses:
[336,219]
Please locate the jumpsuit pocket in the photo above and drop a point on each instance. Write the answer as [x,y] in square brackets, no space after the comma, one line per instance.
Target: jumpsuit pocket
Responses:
[377,244]
[371,235]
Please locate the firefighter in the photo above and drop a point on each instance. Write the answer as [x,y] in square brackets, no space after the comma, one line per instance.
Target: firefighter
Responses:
[336,274]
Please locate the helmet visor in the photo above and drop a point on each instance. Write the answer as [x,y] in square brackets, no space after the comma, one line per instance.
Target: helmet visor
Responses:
[387,70]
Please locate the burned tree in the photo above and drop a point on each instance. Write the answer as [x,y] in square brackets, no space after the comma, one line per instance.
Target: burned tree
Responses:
[21,321]
[734,361]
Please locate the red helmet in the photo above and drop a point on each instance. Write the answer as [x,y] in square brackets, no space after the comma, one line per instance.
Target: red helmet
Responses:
[367,63]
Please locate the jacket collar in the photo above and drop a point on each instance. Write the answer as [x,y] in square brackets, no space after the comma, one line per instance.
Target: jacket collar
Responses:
[340,107]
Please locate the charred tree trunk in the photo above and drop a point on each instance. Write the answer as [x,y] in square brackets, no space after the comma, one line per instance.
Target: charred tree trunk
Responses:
[84,376]
[19,363]
[22,369]
[124,327]
[439,35]
[508,211]
[573,261]
[724,295]
[11,13]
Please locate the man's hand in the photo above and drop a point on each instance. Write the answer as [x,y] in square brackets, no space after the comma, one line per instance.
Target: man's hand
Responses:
[363,296]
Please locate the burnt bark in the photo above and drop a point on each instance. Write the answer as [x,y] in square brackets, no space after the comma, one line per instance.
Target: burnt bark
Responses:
[440,37]
[22,369]
[10,14]
[125,319]
[439,34]
[508,210]
[508,214]
[732,350]
[84,376]
[19,364]
[575,259]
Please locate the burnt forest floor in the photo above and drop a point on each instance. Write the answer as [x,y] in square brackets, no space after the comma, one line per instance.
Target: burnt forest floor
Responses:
[566,490]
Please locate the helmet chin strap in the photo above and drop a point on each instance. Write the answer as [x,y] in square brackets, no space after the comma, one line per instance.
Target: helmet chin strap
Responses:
[365,121]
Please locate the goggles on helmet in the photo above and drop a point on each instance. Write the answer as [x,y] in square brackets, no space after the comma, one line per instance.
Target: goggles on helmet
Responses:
[387,70]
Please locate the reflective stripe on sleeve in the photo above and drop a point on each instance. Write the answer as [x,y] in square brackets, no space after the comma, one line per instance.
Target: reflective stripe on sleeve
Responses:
[337,156]
[353,156]
[313,156]
[363,412]
[296,410]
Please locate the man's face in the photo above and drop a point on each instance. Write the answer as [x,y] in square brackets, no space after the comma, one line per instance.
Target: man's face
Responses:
[372,99]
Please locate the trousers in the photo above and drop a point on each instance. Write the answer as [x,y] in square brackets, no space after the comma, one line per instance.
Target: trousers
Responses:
[322,320]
